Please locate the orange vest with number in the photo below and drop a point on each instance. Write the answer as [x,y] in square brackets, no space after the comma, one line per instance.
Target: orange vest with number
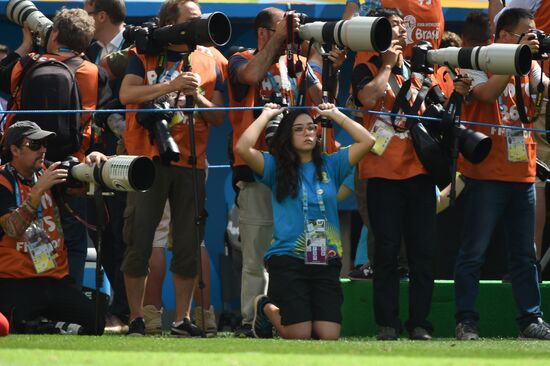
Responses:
[497,166]
[399,160]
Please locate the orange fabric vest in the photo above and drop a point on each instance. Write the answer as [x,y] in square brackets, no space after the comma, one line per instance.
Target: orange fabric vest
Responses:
[542,16]
[87,76]
[136,137]
[15,262]
[241,119]
[497,166]
[399,161]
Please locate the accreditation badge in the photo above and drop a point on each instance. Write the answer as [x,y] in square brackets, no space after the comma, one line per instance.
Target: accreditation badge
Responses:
[316,242]
[515,142]
[39,248]
[383,133]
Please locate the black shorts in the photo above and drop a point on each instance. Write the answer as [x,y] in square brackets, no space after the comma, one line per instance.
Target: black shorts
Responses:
[305,292]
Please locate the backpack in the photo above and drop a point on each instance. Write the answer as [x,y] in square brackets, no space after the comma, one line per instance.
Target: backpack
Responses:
[52,84]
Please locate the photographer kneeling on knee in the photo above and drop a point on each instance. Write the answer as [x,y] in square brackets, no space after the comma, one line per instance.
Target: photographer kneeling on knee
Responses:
[303,261]
[34,276]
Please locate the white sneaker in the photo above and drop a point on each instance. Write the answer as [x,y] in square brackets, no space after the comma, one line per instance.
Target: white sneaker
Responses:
[210,328]
[153,319]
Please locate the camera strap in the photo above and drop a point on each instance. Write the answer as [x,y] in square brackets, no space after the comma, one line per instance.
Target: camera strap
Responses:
[401,102]
[521,104]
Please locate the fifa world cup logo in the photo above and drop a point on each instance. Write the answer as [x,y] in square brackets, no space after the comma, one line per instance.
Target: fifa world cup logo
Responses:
[409,22]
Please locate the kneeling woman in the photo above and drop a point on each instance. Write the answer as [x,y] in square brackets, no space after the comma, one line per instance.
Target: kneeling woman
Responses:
[303,261]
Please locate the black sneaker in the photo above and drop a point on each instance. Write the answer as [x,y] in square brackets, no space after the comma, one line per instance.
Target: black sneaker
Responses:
[186,329]
[538,330]
[387,334]
[466,331]
[244,331]
[262,325]
[136,327]
[362,272]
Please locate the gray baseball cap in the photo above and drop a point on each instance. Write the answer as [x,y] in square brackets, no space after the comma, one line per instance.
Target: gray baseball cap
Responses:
[27,129]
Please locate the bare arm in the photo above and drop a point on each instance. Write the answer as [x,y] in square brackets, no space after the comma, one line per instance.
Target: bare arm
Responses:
[15,223]
[374,90]
[489,91]
[134,91]
[213,117]
[254,71]
[364,141]
[245,146]
[351,9]
[494,7]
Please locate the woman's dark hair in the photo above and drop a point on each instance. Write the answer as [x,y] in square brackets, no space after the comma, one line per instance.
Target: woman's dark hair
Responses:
[287,159]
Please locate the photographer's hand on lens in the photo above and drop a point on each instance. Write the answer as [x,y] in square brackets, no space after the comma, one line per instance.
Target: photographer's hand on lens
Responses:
[27,44]
[95,157]
[186,82]
[463,85]
[281,27]
[531,40]
[51,177]
[337,56]
[391,56]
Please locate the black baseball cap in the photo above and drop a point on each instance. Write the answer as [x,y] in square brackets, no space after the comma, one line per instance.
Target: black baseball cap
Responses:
[29,129]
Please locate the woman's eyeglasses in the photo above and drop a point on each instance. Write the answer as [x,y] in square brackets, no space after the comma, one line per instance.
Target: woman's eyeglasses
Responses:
[300,129]
[35,145]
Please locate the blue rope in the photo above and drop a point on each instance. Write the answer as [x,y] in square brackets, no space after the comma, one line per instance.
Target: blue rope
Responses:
[201,109]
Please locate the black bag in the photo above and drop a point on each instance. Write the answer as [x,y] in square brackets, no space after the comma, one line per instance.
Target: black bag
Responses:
[51,84]
[431,154]
[428,149]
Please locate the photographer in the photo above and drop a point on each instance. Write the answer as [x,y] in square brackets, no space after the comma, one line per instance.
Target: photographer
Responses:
[303,261]
[146,81]
[34,277]
[255,78]
[501,187]
[401,196]
[109,18]
[71,32]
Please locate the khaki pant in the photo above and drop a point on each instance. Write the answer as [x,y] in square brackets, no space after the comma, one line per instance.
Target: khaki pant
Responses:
[256,230]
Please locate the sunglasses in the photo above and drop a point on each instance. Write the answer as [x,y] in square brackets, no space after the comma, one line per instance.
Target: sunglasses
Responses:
[35,145]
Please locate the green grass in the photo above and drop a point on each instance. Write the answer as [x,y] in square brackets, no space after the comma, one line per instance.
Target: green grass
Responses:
[119,350]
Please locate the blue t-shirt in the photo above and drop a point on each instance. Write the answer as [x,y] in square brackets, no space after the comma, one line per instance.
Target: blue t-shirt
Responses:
[288,215]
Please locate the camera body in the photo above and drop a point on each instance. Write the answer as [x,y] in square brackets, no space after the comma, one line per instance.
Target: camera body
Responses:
[158,125]
[273,124]
[213,29]
[544,44]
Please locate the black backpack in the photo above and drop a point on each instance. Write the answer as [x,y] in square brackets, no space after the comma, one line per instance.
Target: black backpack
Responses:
[51,84]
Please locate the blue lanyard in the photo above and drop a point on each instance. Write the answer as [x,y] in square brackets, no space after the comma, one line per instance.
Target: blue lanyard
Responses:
[18,193]
[275,86]
[319,193]
[167,75]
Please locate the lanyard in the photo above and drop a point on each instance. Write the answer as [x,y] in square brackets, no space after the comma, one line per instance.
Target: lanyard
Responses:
[319,193]
[166,75]
[18,187]
[275,86]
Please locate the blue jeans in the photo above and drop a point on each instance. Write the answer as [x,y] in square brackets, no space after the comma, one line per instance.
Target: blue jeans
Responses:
[402,209]
[74,233]
[486,202]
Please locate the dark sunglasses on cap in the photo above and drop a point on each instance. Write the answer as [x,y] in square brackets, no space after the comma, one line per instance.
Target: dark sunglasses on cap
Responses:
[35,145]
